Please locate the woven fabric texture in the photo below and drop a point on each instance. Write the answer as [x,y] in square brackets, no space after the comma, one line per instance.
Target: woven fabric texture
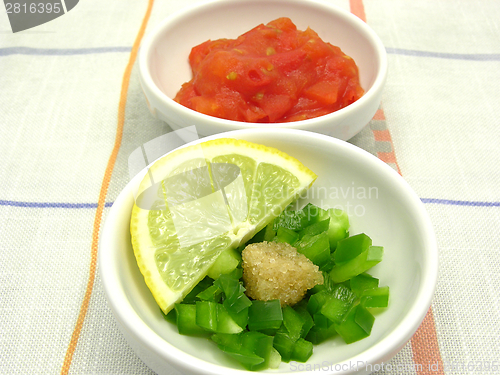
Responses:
[60,89]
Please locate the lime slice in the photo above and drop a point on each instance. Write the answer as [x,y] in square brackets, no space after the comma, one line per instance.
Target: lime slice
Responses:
[200,200]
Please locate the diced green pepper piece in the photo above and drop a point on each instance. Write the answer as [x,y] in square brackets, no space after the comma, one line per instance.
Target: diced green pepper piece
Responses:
[293,322]
[261,345]
[170,317]
[233,346]
[350,247]
[349,330]
[237,273]
[364,319]
[362,282]
[226,262]
[362,263]
[301,309]
[206,315]
[227,339]
[236,299]
[274,358]
[321,321]
[284,345]
[378,297]
[316,301]
[328,265]
[286,235]
[314,213]
[265,234]
[214,317]
[291,219]
[338,227]
[212,293]
[265,315]
[191,297]
[315,229]
[298,219]
[317,335]
[302,350]
[237,302]
[316,248]
[240,318]
[336,308]
[226,323]
[186,320]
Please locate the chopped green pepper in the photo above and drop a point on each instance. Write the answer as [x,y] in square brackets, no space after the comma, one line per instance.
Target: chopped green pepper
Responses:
[362,282]
[226,262]
[284,345]
[261,334]
[202,285]
[338,227]
[349,329]
[233,346]
[186,320]
[236,299]
[316,248]
[261,345]
[355,266]
[301,309]
[302,350]
[377,297]
[317,335]
[316,228]
[265,315]
[298,219]
[206,315]
[212,293]
[364,319]
[286,235]
[336,307]
[350,247]
[293,322]
[265,234]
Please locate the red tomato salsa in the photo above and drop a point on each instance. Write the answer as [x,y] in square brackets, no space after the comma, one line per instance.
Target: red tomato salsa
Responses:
[272,73]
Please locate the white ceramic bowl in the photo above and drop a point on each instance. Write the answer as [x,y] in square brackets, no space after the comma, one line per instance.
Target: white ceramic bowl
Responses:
[379,202]
[164,67]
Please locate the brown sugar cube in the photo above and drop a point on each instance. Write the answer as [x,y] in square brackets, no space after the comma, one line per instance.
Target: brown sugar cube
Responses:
[273,270]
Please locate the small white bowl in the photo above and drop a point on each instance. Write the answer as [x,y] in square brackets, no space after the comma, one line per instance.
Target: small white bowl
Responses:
[164,66]
[379,202]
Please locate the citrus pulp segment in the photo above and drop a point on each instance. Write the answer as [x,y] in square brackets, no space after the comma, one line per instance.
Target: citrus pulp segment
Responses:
[200,200]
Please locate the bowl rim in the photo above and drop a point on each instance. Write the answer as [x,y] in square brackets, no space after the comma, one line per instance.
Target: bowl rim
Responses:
[151,88]
[392,343]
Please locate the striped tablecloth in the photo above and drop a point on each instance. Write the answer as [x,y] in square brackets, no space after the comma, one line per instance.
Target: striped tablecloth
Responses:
[71,111]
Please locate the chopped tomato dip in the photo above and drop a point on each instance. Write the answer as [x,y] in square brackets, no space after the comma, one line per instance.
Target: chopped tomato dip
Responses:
[272,73]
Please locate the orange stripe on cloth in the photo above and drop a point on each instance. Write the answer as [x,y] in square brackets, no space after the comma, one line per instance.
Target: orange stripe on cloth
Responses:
[379,115]
[358,8]
[103,193]
[382,136]
[424,343]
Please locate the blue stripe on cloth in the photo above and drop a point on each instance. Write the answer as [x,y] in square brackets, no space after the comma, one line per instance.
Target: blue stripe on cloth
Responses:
[460,203]
[450,202]
[7,51]
[50,204]
[442,55]
[60,51]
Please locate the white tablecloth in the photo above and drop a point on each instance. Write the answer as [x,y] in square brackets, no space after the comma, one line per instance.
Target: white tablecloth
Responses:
[72,111]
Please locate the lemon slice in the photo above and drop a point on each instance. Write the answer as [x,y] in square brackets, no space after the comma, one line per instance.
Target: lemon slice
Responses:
[200,200]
